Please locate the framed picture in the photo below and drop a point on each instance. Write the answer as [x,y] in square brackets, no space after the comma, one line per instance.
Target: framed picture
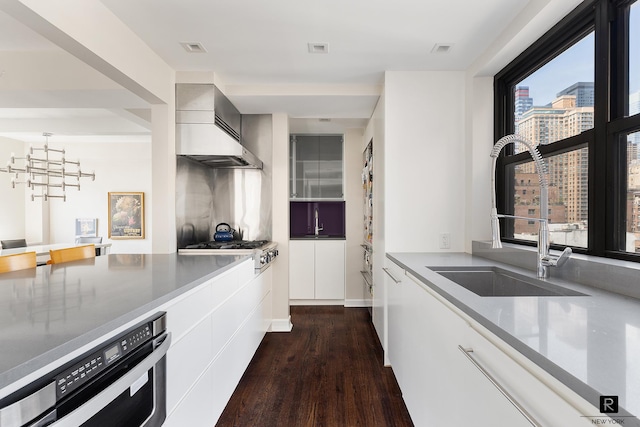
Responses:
[126,215]
[86,227]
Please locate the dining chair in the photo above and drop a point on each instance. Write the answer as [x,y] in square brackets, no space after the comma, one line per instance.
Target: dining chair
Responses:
[17,262]
[88,239]
[72,254]
[16,243]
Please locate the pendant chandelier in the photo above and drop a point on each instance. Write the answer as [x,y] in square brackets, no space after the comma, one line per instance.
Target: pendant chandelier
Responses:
[50,171]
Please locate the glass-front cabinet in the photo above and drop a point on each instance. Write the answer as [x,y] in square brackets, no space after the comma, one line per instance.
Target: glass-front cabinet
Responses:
[316,163]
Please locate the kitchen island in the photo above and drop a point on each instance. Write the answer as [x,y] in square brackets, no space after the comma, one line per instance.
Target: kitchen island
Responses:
[54,313]
[585,345]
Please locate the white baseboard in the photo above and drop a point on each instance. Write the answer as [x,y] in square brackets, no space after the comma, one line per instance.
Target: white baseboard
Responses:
[357,303]
[316,302]
[281,325]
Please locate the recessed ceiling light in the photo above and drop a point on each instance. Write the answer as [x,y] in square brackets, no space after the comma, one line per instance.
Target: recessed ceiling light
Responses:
[442,48]
[193,47]
[318,47]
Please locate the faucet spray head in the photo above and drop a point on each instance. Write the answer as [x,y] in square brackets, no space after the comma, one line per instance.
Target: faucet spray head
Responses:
[495,230]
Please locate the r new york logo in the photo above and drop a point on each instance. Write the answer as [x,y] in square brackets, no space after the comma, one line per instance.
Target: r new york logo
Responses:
[608,404]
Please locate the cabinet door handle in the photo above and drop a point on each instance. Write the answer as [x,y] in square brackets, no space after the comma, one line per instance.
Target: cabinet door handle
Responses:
[386,270]
[467,352]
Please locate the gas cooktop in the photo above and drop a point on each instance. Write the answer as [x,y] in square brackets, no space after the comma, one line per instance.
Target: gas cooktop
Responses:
[264,252]
[233,244]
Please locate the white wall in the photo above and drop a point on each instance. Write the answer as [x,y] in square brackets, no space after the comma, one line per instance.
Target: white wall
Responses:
[354,219]
[424,160]
[532,22]
[162,175]
[118,167]
[124,58]
[12,200]
[281,316]
[122,55]
[477,161]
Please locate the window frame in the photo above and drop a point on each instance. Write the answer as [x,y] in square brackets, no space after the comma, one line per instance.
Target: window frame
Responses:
[609,20]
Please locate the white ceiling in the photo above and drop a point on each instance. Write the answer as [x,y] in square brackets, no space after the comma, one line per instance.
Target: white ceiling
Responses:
[259,50]
[265,42]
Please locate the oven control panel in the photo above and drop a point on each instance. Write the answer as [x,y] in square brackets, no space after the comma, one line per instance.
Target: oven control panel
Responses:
[265,256]
[88,366]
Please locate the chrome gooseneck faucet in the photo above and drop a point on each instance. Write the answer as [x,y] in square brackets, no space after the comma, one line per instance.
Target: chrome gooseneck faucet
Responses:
[318,228]
[545,260]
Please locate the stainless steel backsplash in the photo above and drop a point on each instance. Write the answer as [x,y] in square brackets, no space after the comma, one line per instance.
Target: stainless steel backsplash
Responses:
[206,197]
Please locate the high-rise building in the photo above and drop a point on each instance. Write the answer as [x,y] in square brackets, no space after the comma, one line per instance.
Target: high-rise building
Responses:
[527,203]
[633,177]
[523,103]
[634,103]
[569,171]
[583,91]
[634,108]
[633,151]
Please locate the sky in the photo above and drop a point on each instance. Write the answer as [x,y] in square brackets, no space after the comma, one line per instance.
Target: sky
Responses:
[572,66]
[576,65]
[634,48]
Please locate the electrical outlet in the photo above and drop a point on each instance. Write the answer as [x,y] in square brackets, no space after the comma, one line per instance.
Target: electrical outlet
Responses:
[445,241]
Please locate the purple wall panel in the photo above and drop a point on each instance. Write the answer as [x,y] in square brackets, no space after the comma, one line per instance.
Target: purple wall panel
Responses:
[331,216]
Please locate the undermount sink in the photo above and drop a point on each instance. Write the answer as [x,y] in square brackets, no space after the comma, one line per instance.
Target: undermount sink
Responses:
[496,282]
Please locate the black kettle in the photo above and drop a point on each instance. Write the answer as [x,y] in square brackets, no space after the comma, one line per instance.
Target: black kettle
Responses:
[224,233]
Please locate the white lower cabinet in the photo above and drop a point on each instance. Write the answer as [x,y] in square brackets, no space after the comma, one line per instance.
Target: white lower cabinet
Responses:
[198,408]
[302,269]
[442,386]
[394,334]
[206,362]
[316,269]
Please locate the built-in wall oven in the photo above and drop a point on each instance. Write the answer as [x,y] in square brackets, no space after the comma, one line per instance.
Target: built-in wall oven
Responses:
[121,382]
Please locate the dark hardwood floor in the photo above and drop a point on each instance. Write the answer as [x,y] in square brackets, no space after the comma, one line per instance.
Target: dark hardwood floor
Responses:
[328,371]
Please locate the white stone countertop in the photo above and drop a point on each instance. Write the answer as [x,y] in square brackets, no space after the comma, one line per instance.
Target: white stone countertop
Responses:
[590,343]
[50,311]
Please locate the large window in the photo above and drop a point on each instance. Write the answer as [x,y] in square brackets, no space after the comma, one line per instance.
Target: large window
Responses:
[575,94]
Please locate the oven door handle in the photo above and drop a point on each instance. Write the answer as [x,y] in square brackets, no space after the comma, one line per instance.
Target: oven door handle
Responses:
[106,396]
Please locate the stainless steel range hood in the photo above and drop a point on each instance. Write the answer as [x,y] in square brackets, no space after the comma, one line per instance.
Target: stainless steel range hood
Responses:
[208,128]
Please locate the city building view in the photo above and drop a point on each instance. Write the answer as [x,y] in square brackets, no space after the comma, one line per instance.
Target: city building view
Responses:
[570,113]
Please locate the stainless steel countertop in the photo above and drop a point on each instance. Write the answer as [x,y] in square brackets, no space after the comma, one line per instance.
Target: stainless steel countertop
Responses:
[591,344]
[48,313]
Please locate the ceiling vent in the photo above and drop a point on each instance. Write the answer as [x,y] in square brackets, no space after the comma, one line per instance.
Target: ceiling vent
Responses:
[441,48]
[318,47]
[193,47]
